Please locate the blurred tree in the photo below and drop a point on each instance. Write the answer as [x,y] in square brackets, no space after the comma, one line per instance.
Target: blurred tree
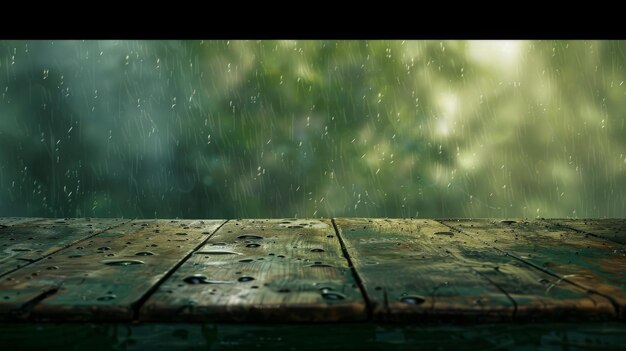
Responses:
[216,129]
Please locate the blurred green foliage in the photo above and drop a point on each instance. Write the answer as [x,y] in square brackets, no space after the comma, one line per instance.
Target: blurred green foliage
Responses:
[226,129]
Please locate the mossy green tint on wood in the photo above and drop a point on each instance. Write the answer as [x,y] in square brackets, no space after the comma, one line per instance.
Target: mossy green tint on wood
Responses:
[311,270]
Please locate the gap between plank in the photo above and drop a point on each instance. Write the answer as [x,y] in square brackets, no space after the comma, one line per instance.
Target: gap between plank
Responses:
[355,274]
[506,293]
[28,306]
[616,305]
[31,261]
[136,306]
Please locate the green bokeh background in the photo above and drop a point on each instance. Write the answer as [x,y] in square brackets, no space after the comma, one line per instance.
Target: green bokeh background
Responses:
[227,129]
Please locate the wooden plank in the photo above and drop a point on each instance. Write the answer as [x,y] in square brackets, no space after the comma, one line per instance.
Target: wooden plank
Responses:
[610,229]
[593,263]
[409,277]
[415,270]
[103,277]
[26,242]
[262,270]
[7,222]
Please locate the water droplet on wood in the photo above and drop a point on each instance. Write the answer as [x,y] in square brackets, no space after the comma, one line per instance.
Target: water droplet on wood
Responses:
[107,297]
[333,296]
[121,262]
[216,252]
[249,236]
[413,300]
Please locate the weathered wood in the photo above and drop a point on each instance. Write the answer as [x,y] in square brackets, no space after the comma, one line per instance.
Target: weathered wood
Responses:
[593,263]
[262,270]
[418,270]
[104,277]
[610,229]
[25,242]
[6,222]
[268,270]
[410,277]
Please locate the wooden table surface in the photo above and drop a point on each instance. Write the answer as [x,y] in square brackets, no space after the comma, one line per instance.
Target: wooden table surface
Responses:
[408,271]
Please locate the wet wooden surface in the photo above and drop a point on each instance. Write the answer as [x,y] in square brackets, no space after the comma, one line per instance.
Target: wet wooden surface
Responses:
[301,270]
[610,229]
[8,222]
[420,270]
[262,270]
[24,242]
[103,277]
[590,262]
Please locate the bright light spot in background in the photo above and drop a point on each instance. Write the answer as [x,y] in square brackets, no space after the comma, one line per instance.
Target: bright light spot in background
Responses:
[448,105]
[399,128]
[502,53]
[443,127]
[468,160]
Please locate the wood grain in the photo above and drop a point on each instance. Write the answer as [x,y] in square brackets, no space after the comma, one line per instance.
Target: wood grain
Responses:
[409,277]
[262,270]
[610,229]
[417,270]
[104,277]
[25,242]
[299,270]
[7,222]
[593,263]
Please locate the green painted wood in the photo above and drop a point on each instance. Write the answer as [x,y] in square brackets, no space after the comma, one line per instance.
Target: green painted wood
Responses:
[25,242]
[104,277]
[610,229]
[593,263]
[262,270]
